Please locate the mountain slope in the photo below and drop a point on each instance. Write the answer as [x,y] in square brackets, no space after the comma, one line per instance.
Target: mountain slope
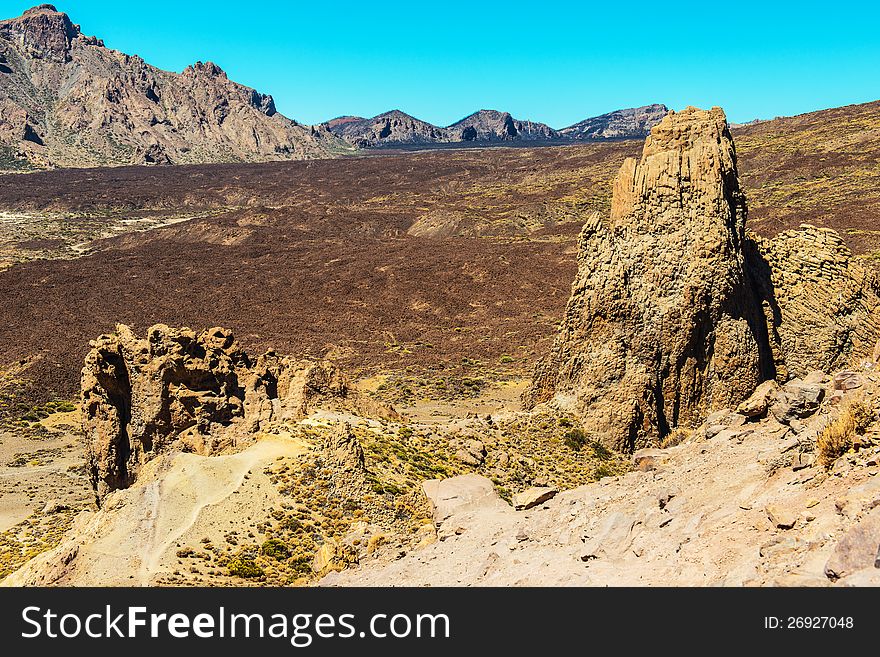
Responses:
[66,100]
[620,124]
[492,125]
[390,128]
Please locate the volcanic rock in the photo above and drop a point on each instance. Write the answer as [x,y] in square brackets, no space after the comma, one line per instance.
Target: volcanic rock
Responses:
[532,497]
[620,124]
[492,125]
[824,302]
[66,100]
[676,312]
[199,393]
[663,325]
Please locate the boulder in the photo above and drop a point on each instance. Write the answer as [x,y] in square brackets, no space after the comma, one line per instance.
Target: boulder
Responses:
[532,497]
[649,458]
[343,450]
[759,401]
[797,400]
[469,451]
[781,516]
[858,549]
[847,380]
[453,495]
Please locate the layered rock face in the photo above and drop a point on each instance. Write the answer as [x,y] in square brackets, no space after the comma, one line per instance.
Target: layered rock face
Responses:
[825,301]
[66,100]
[662,325]
[200,393]
[675,312]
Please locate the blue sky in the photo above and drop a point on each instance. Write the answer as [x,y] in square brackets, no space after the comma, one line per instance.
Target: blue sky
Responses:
[555,62]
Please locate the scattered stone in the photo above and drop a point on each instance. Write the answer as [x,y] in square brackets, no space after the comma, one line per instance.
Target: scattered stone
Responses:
[802,460]
[859,499]
[664,497]
[847,380]
[54,506]
[781,517]
[532,497]
[759,401]
[470,451]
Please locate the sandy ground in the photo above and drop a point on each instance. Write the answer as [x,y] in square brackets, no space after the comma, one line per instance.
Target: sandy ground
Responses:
[34,472]
[180,499]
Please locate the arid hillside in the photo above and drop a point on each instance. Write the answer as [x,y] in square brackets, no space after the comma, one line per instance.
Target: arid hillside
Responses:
[67,100]
[457,261]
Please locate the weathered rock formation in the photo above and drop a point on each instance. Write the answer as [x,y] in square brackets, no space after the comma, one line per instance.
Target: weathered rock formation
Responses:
[675,312]
[663,324]
[826,300]
[66,100]
[396,128]
[201,393]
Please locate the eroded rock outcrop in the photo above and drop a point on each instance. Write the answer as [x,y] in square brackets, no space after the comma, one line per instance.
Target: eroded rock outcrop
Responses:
[676,312]
[663,324]
[826,301]
[195,392]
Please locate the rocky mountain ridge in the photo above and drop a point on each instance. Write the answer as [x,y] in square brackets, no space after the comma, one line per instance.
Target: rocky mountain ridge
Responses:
[396,128]
[67,100]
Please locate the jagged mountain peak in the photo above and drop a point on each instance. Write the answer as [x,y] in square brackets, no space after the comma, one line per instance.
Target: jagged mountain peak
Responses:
[45,33]
[66,100]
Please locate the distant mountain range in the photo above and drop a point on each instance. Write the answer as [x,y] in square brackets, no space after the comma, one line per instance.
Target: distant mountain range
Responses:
[68,101]
[396,128]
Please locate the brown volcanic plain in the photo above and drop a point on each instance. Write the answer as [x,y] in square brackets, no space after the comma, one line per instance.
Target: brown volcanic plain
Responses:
[436,261]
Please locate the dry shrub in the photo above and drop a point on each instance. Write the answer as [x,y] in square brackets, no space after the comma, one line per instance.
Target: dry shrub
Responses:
[837,437]
[675,437]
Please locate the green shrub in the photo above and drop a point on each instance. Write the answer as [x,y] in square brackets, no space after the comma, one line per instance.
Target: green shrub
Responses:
[575,439]
[600,451]
[275,549]
[245,567]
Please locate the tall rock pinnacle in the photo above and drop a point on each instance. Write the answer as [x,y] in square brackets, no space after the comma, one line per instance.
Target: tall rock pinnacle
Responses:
[663,324]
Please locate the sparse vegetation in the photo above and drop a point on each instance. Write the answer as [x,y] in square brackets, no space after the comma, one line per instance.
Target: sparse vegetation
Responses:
[676,437]
[275,549]
[575,439]
[837,438]
[244,566]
